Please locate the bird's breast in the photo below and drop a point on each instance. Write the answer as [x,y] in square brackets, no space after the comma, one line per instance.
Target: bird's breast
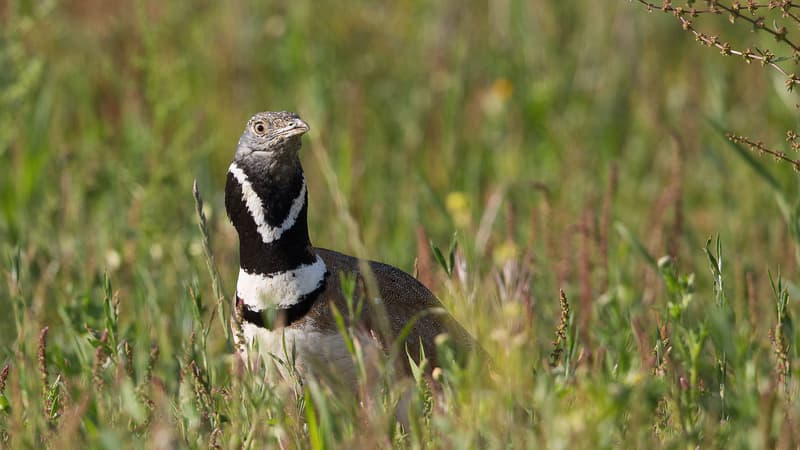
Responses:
[323,353]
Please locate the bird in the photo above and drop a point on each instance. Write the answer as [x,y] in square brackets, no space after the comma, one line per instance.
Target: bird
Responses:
[288,291]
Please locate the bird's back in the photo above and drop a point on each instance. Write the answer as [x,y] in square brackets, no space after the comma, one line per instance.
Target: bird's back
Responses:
[403,299]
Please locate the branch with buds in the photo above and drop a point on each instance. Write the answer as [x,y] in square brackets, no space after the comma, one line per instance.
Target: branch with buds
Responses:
[747,11]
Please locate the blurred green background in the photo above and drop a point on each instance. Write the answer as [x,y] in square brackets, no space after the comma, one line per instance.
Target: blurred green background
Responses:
[503,120]
[111,109]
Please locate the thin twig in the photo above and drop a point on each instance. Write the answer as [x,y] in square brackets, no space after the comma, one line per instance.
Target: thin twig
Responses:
[762,149]
[766,57]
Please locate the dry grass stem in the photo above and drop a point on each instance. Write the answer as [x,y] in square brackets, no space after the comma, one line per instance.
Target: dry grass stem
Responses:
[561,330]
[216,283]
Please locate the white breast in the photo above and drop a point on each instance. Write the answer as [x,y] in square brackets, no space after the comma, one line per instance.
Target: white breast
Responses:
[314,352]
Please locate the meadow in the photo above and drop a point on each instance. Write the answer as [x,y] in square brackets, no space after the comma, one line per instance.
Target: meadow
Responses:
[558,173]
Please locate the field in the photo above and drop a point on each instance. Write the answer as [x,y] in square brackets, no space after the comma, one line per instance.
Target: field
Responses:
[503,151]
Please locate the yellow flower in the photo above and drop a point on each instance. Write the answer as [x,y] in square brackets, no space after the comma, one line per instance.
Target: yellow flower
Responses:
[506,251]
[494,100]
[457,205]
[502,88]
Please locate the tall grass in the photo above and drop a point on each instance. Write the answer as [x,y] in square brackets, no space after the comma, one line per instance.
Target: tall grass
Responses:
[568,146]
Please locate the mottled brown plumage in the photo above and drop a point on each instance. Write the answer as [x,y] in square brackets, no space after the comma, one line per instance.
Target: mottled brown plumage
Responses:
[402,297]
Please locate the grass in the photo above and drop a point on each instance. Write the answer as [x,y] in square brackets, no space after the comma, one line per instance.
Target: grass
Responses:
[575,146]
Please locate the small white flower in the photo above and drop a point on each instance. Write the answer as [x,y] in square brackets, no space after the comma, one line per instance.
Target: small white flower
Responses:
[113,259]
[196,248]
[156,252]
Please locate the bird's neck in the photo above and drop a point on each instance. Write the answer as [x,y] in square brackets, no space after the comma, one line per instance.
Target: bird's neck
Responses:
[267,205]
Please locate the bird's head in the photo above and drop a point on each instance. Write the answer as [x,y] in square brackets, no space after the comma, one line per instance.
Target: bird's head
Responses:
[270,135]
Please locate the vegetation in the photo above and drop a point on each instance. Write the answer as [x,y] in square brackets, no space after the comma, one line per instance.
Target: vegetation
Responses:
[633,272]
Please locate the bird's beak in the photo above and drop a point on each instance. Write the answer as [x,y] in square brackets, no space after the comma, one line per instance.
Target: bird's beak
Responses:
[297,127]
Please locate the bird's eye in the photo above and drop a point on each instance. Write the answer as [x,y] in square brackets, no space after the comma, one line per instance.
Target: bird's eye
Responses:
[259,128]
